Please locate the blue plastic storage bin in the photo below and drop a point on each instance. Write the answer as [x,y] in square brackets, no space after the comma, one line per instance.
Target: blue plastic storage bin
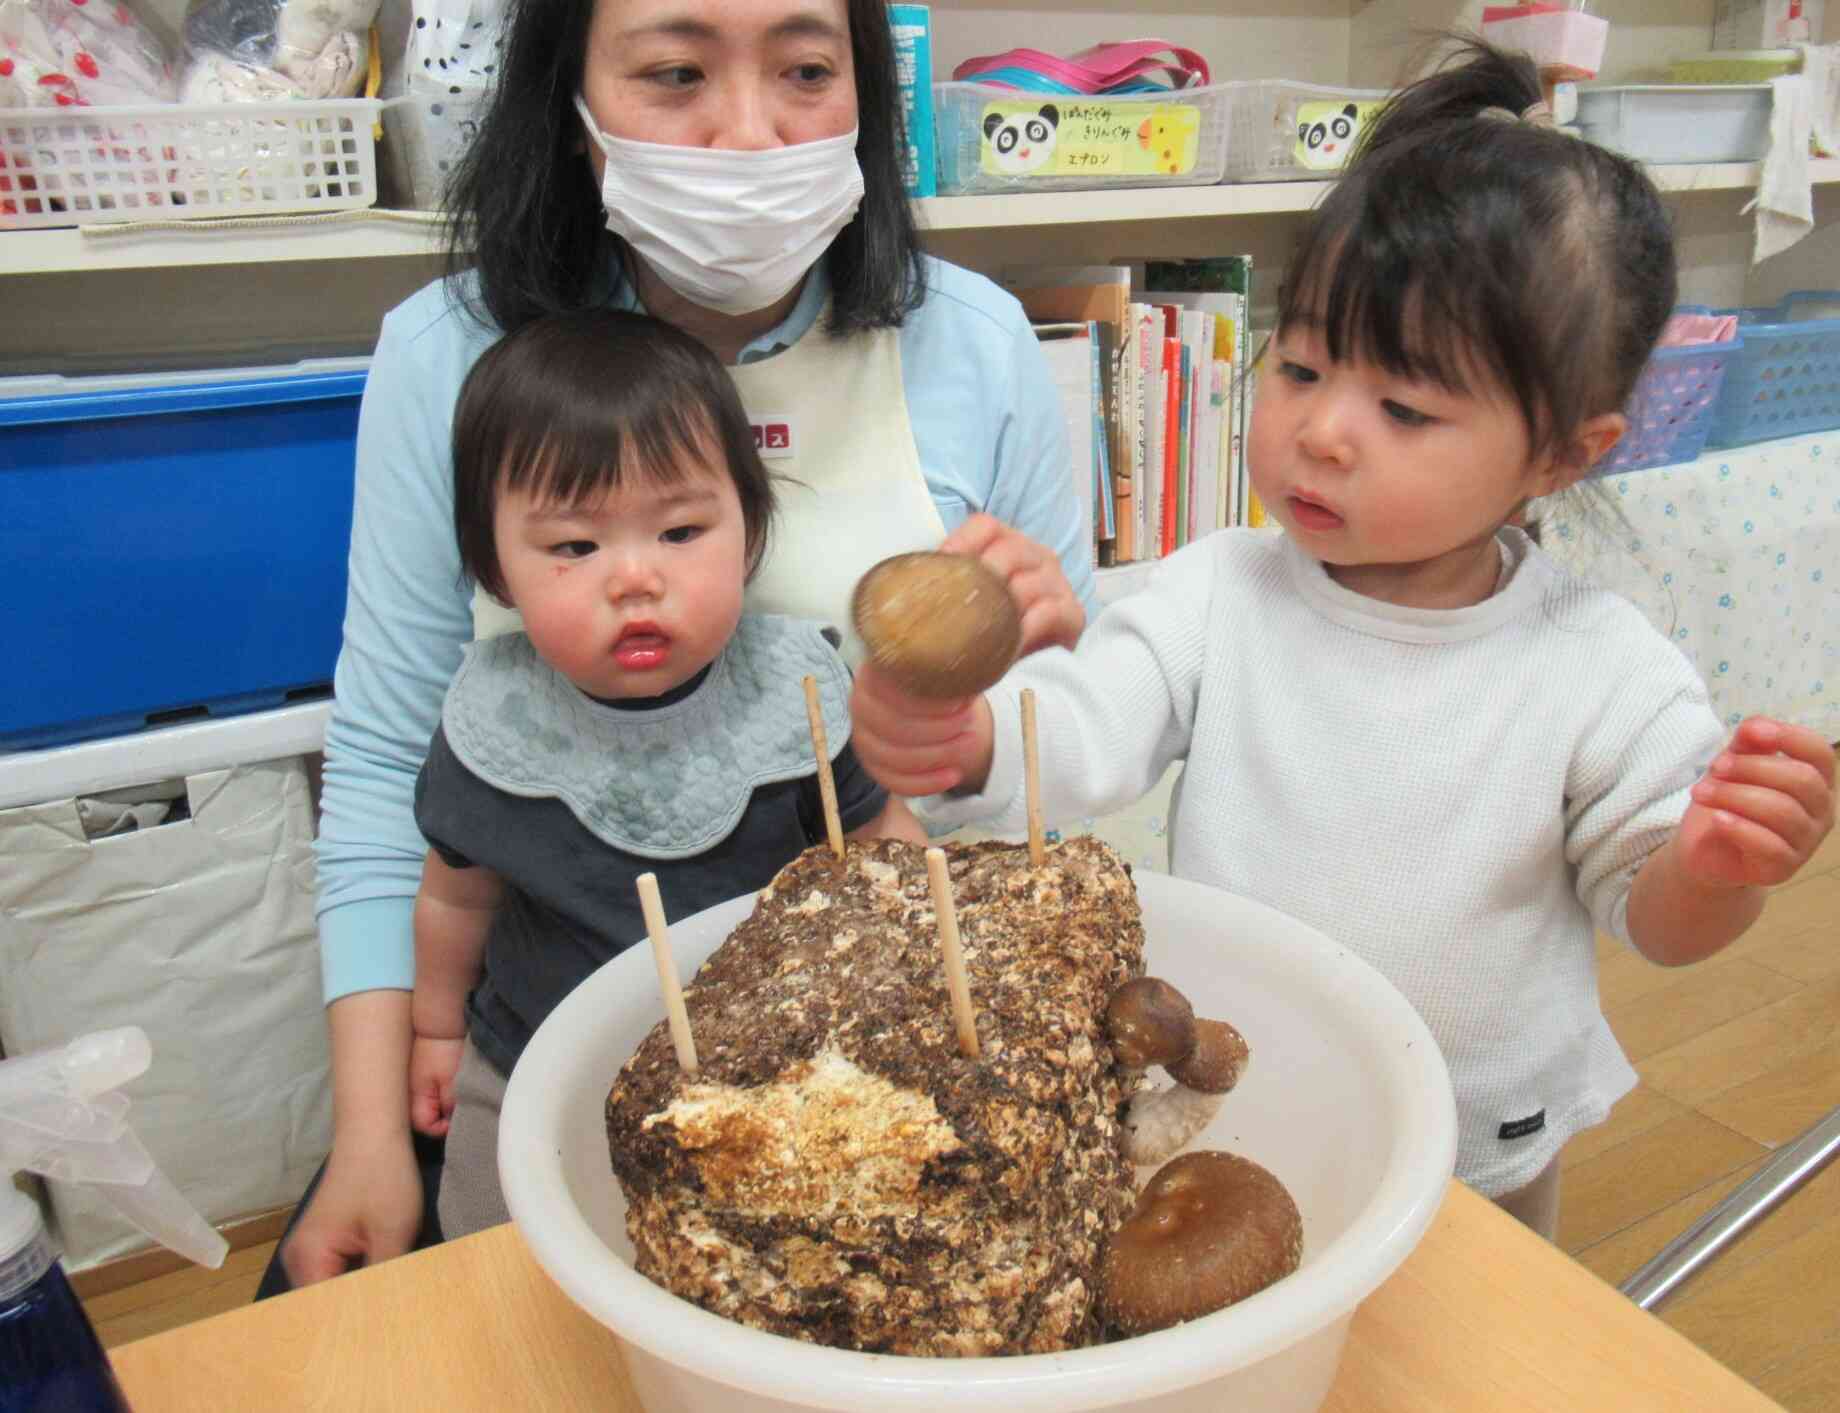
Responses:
[1786,380]
[175,545]
[1671,413]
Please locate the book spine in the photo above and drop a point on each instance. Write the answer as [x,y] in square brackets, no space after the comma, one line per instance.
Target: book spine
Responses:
[1149,484]
[1172,404]
[1185,438]
[913,53]
[1105,520]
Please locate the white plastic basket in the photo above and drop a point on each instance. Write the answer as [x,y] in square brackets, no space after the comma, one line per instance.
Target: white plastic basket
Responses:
[78,166]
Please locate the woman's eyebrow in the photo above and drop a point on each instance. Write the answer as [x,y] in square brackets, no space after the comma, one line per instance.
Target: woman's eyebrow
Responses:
[806,24]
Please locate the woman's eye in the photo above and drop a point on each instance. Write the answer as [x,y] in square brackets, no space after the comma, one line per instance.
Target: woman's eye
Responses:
[573,549]
[677,76]
[811,74]
[681,534]
[1403,415]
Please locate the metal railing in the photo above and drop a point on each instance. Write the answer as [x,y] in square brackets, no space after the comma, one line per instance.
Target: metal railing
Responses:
[1701,1243]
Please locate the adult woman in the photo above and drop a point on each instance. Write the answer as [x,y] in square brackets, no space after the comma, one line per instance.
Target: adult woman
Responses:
[902,398]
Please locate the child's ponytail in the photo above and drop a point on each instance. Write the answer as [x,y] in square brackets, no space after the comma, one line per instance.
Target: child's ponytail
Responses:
[1475,80]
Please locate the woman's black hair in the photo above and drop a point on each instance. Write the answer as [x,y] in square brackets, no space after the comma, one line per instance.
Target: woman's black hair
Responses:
[524,210]
[571,405]
[1463,243]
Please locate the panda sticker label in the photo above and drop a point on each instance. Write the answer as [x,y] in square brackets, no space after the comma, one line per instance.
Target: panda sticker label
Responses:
[1074,137]
[1327,132]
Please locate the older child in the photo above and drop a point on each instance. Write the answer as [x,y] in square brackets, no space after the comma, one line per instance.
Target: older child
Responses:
[607,487]
[1401,722]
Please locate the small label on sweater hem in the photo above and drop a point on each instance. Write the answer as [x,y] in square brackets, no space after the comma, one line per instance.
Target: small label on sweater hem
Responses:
[1520,1128]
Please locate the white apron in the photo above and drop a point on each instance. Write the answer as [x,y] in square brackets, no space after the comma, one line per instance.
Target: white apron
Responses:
[832,418]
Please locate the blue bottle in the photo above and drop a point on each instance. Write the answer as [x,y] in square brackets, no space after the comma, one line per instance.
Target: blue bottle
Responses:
[50,1358]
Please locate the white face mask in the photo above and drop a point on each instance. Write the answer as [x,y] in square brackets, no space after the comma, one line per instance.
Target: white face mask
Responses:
[731,231]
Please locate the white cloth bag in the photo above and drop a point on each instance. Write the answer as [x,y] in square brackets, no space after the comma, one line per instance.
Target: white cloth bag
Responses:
[202,932]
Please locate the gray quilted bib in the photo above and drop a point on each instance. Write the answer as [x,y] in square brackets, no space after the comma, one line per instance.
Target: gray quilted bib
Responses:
[665,783]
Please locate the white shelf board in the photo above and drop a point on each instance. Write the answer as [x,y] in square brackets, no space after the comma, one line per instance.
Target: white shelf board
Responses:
[60,772]
[383,234]
[1091,208]
[245,241]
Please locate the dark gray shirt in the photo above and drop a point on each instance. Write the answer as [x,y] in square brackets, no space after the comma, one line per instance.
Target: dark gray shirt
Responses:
[570,903]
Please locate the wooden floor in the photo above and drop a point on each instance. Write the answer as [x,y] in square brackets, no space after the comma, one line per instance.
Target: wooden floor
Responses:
[1737,1055]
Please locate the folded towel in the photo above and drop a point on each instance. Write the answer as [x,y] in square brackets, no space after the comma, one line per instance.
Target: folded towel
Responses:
[1784,203]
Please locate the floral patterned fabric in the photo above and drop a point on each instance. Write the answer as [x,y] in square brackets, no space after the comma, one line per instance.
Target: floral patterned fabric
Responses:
[1736,557]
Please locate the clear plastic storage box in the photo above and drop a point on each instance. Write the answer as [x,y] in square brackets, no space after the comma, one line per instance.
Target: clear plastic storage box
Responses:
[1004,140]
[1284,130]
[1786,378]
[79,166]
[1676,122]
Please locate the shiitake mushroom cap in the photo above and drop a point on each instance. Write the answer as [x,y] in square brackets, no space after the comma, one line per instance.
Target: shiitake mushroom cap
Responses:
[1215,1064]
[1208,1230]
[942,625]
[1149,1022]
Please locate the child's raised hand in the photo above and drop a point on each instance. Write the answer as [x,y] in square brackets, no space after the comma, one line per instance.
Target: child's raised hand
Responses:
[917,745]
[1052,615]
[432,1066]
[1762,808]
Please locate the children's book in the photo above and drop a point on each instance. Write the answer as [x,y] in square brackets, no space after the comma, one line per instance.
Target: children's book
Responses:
[1094,294]
[1068,347]
[1147,335]
[1220,287]
[1171,390]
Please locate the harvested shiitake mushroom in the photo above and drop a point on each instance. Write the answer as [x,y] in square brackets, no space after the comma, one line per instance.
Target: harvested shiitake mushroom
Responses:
[1149,1022]
[942,625]
[1208,1230]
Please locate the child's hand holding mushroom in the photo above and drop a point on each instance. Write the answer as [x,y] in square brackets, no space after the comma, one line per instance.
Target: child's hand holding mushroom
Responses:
[939,629]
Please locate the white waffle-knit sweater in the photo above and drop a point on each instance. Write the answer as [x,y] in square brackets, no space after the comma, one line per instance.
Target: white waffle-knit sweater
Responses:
[1454,795]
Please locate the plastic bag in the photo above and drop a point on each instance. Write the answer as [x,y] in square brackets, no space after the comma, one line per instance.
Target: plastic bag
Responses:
[58,53]
[241,51]
[200,931]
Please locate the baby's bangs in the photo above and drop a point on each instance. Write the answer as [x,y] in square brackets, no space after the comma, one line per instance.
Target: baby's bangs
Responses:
[590,447]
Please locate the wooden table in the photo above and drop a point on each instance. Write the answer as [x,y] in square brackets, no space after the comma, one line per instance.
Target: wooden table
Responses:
[1483,1315]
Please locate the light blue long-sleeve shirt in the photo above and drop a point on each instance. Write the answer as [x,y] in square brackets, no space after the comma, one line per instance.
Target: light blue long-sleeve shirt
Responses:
[990,433]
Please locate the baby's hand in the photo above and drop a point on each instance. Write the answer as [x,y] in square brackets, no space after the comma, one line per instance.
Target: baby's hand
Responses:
[1762,808]
[917,745]
[432,1067]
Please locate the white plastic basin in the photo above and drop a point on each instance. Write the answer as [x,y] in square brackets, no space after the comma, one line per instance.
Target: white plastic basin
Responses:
[1346,1100]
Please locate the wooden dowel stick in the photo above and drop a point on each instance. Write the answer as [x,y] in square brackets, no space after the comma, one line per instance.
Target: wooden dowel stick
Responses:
[956,983]
[675,1014]
[1031,778]
[827,783]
